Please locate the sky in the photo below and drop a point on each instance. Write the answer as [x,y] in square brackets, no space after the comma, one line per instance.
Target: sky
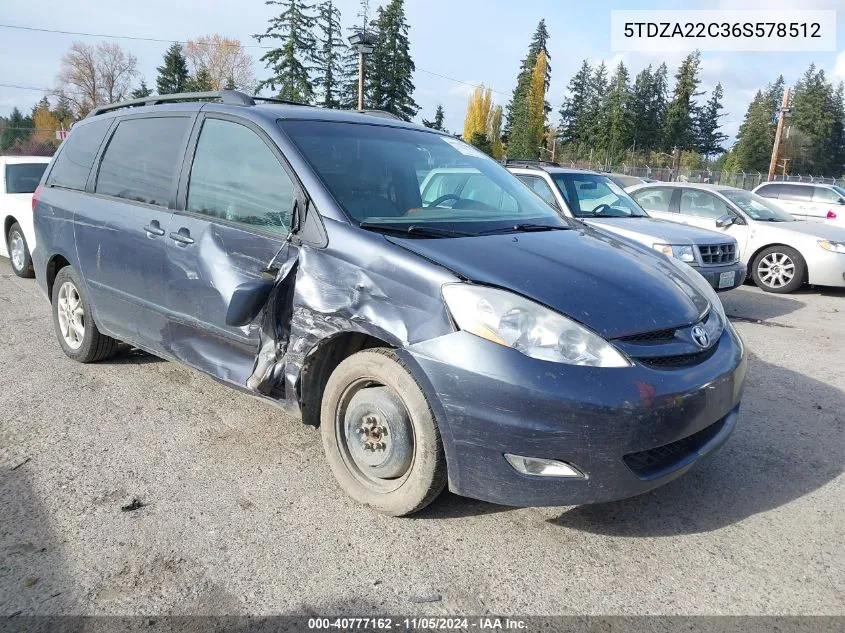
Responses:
[454,43]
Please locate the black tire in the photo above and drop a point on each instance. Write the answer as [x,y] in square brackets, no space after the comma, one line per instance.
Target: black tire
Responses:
[788,257]
[94,346]
[26,270]
[425,478]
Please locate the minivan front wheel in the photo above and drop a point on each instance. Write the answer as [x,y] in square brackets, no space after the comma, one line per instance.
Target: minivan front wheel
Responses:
[380,436]
[72,320]
[779,269]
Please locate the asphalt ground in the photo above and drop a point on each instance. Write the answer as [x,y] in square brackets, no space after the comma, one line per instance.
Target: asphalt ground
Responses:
[242,516]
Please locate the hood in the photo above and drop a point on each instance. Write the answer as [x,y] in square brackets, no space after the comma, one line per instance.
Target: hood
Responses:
[651,230]
[611,286]
[821,230]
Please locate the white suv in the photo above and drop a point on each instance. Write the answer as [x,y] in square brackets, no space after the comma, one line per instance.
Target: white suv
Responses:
[807,200]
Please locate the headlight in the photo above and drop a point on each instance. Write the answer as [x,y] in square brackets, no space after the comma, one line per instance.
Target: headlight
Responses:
[510,320]
[833,247]
[684,253]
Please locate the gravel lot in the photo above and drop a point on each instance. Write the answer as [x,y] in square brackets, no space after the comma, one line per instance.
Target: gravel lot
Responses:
[243,516]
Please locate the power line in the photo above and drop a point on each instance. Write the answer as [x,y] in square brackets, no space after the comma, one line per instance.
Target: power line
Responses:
[139,38]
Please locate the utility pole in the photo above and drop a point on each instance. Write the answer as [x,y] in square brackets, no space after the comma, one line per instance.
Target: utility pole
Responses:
[365,43]
[784,110]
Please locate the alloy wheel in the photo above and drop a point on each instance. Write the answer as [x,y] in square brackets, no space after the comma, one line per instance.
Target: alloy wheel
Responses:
[776,270]
[71,315]
[17,250]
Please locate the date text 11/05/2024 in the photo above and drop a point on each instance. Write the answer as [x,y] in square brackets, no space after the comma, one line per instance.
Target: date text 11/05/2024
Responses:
[438,623]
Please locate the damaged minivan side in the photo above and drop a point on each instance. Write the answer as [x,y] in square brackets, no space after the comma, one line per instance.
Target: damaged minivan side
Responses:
[477,340]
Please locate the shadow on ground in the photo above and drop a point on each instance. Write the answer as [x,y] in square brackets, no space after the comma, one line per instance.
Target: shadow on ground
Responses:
[747,304]
[787,444]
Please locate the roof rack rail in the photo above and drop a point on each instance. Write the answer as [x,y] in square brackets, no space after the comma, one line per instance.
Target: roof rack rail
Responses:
[276,100]
[382,113]
[232,97]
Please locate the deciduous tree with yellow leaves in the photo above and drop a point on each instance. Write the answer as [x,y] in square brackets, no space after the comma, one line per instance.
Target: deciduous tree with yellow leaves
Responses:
[483,122]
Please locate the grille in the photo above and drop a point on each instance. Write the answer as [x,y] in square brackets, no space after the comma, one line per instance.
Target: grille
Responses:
[673,362]
[655,460]
[712,254]
[658,336]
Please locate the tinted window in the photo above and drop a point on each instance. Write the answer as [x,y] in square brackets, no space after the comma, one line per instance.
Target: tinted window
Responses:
[702,204]
[540,187]
[237,177]
[24,177]
[795,192]
[77,154]
[823,194]
[654,199]
[141,159]
[596,196]
[770,191]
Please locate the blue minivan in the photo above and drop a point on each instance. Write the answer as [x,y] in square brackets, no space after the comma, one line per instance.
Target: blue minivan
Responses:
[479,340]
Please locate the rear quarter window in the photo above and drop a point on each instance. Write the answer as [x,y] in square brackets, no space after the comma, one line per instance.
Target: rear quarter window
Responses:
[141,159]
[75,158]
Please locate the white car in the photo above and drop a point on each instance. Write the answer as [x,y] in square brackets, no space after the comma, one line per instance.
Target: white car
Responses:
[782,253]
[19,176]
[807,200]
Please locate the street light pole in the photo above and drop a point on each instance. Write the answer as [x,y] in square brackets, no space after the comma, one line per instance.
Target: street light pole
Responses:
[364,42]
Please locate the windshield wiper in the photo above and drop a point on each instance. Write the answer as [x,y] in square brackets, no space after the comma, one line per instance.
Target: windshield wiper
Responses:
[413,229]
[526,227]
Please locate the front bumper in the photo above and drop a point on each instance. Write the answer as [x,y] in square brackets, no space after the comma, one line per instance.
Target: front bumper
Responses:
[825,268]
[629,429]
[713,274]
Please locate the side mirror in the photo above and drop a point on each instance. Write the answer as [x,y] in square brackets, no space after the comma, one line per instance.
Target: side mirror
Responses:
[247,301]
[724,221]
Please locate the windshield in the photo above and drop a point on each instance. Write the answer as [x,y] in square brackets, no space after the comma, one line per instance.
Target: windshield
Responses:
[595,196]
[24,177]
[415,181]
[757,207]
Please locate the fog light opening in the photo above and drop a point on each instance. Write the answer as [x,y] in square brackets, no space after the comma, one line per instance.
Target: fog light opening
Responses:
[540,467]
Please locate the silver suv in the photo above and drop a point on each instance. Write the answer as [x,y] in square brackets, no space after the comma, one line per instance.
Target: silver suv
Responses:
[596,200]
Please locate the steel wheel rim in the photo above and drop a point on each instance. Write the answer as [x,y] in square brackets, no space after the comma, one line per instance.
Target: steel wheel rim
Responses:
[71,315]
[776,270]
[352,464]
[17,250]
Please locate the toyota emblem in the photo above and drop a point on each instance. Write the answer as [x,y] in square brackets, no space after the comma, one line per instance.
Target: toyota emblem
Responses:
[700,336]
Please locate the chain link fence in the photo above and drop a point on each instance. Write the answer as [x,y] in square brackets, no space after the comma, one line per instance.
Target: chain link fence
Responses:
[743,180]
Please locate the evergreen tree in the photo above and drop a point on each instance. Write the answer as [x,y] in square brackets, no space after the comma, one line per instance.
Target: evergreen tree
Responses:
[141,91]
[517,108]
[329,63]
[230,84]
[173,73]
[63,111]
[753,148]
[17,130]
[437,122]
[620,129]
[573,128]
[710,137]
[348,90]
[679,129]
[595,123]
[814,112]
[202,81]
[537,107]
[648,108]
[290,64]
[391,66]
[482,142]
[659,104]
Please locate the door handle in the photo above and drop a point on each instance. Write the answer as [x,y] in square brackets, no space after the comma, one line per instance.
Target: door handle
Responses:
[183,237]
[154,228]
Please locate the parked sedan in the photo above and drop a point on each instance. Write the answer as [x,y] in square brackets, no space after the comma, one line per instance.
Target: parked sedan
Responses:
[598,201]
[782,253]
[19,176]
